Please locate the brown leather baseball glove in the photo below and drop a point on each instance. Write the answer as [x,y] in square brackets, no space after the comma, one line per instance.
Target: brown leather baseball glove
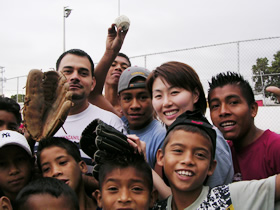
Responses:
[47,103]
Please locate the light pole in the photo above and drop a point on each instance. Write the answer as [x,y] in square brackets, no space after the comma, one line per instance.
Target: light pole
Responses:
[2,80]
[66,13]
[263,88]
[119,7]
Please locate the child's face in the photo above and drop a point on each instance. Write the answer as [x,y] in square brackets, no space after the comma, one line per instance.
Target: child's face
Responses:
[47,201]
[116,69]
[8,121]
[137,107]
[57,163]
[230,111]
[124,189]
[186,161]
[15,169]
[170,102]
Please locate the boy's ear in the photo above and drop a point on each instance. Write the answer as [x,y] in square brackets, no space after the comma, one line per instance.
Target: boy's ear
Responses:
[5,203]
[154,197]
[212,167]
[83,166]
[254,109]
[97,195]
[160,157]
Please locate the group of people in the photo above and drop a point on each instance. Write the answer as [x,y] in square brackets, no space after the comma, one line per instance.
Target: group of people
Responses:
[180,160]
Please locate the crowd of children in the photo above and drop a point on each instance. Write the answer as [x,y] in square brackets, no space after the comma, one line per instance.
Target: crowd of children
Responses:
[181,161]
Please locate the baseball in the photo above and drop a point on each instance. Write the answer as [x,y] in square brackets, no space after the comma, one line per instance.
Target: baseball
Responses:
[122,21]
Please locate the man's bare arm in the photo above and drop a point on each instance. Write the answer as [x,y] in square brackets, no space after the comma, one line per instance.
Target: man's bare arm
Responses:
[114,43]
[275,91]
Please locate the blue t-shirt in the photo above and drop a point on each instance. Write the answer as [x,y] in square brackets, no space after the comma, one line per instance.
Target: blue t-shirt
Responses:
[153,135]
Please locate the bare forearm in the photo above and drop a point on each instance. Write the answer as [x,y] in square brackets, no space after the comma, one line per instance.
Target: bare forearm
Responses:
[275,90]
[114,43]
[163,190]
[102,68]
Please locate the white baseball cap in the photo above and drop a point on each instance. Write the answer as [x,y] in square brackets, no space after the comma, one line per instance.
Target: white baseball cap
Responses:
[8,137]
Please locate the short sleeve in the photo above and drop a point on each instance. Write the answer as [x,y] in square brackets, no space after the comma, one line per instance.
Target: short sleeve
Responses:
[255,194]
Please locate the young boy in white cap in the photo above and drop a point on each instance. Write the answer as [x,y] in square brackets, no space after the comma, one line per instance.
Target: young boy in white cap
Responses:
[16,163]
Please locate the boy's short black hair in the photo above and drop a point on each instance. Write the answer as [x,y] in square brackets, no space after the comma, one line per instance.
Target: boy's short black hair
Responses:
[71,148]
[10,105]
[77,52]
[232,78]
[46,185]
[124,56]
[111,161]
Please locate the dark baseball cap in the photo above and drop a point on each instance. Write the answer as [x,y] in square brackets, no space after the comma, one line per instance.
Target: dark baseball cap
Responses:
[130,73]
[197,119]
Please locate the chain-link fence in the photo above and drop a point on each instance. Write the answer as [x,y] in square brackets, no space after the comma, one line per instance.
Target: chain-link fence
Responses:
[208,60]
[237,56]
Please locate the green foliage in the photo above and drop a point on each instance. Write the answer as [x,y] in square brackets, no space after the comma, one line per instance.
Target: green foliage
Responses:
[20,97]
[265,75]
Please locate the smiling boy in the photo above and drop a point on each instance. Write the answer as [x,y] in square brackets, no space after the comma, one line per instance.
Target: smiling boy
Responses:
[255,152]
[188,159]
[60,159]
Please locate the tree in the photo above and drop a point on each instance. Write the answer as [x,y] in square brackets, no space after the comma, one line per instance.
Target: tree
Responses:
[20,97]
[265,75]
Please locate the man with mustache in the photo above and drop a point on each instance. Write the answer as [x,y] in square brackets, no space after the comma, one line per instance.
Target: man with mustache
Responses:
[78,68]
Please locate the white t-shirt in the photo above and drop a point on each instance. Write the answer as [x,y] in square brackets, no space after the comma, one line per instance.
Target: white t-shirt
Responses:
[75,124]
[243,195]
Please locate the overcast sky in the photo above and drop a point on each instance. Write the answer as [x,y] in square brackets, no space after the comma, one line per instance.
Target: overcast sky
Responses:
[32,30]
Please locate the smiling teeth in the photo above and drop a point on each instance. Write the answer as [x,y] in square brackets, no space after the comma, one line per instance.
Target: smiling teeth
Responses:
[185,173]
[170,113]
[228,124]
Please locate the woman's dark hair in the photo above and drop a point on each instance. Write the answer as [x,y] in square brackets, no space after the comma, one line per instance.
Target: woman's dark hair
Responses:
[180,75]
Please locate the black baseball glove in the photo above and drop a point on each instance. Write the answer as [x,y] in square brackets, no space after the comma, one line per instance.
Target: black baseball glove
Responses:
[100,136]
